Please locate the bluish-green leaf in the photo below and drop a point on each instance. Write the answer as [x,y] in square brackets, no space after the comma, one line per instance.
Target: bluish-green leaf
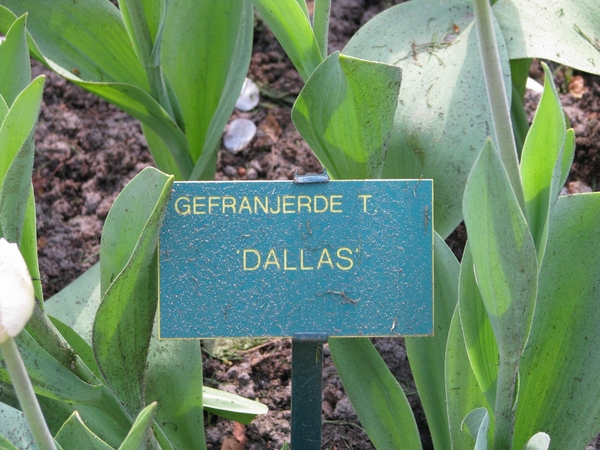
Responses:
[376,396]
[463,394]
[565,31]
[560,365]
[231,406]
[15,70]
[437,132]
[503,252]
[427,354]
[14,428]
[174,381]
[291,26]
[539,159]
[345,113]
[75,434]
[206,53]
[477,330]
[128,255]
[477,423]
[140,433]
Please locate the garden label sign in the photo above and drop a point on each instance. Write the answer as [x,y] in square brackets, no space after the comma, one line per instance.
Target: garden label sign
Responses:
[278,258]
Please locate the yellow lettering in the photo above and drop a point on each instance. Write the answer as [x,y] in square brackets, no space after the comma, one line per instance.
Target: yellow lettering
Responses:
[186,205]
[316,203]
[364,199]
[285,264]
[302,266]
[333,203]
[212,205]
[345,258]
[324,260]
[245,205]
[199,205]
[272,211]
[264,206]
[304,202]
[288,201]
[228,202]
[272,259]
[255,252]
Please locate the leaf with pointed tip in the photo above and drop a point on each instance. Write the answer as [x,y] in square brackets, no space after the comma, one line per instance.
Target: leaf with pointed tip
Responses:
[15,72]
[345,113]
[128,255]
[140,430]
[477,423]
[231,406]
[75,434]
[378,399]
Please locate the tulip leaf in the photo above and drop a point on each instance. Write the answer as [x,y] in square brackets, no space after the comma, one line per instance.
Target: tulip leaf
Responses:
[477,330]
[565,32]
[174,381]
[14,428]
[378,399]
[477,423]
[75,434]
[231,406]
[290,24]
[503,251]
[207,84]
[345,113]
[463,394]
[5,444]
[437,132]
[539,160]
[14,76]
[140,431]
[559,367]
[128,255]
[427,355]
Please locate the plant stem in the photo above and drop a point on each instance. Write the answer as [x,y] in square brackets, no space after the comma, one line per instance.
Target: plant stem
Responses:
[321,24]
[496,89]
[504,413]
[27,399]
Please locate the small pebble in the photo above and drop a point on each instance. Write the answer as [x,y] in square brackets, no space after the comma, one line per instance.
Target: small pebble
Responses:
[238,135]
[252,174]
[254,164]
[230,171]
[241,171]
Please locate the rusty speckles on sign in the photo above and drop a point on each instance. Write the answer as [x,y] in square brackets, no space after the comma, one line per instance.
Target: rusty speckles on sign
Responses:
[347,258]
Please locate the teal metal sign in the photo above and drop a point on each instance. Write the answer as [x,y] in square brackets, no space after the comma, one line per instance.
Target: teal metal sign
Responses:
[346,258]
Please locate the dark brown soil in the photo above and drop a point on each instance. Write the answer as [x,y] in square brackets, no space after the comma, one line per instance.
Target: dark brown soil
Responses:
[87,150]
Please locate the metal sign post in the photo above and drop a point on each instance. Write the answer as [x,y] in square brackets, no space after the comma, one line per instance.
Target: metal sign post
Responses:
[308,260]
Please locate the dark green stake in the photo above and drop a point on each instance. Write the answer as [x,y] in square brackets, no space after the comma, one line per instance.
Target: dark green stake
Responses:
[307,390]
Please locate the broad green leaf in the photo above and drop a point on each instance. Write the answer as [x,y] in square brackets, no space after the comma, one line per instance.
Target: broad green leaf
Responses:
[29,248]
[560,365]
[14,428]
[567,32]
[437,132]
[519,72]
[503,252]
[75,434]
[140,431]
[15,72]
[76,304]
[427,354]
[345,113]
[463,394]
[49,377]
[477,423]
[206,53]
[376,396]
[174,381]
[291,26]
[15,183]
[539,441]
[231,406]
[541,154]
[567,161]
[87,38]
[477,330]
[78,344]
[128,255]
[3,109]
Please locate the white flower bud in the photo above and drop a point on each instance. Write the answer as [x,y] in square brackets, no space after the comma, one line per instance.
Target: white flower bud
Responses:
[16,291]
